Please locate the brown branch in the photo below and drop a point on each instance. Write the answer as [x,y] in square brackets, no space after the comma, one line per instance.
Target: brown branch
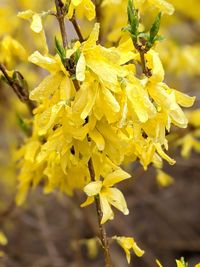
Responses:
[146,71]
[77,29]
[142,51]
[21,91]
[102,229]
[54,257]
[11,207]
[61,20]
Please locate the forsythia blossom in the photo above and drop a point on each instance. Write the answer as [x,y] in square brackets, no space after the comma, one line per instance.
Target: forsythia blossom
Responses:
[93,105]
[108,194]
[128,243]
[81,7]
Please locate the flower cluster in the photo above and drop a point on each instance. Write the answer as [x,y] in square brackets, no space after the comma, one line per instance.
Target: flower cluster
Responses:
[94,105]
[99,107]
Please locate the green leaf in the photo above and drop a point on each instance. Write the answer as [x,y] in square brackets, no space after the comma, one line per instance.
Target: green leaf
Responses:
[133,18]
[23,125]
[155,28]
[60,50]
[77,55]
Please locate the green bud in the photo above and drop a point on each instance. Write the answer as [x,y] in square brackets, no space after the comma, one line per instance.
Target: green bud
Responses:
[19,80]
[60,50]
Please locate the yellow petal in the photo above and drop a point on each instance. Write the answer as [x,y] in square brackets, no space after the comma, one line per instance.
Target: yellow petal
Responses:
[47,87]
[93,188]
[98,139]
[44,62]
[106,209]
[179,263]
[80,68]
[138,251]
[187,142]
[115,177]
[76,2]
[158,263]
[48,117]
[36,24]
[184,100]
[25,14]
[154,63]
[91,98]
[22,194]
[193,117]
[87,8]
[128,243]
[116,198]
[164,179]
[110,101]
[93,38]
[88,201]
[31,149]
[3,239]
[163,6]
[163,154]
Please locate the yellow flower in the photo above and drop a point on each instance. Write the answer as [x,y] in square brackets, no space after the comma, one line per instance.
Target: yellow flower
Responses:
[161,5]
[189,142]
[193,117]
[3,239]
[164,179]
[11,51]
[179,263]
[158,263]
[36,26]
[82,8]
[168,101]
[128,243]
[107,194]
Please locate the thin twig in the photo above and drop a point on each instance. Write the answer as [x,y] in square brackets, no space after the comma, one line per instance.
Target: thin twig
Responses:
[102,229]
[142,51]
[21,92]
[77,29]
[145,69]
[53,253]
[61,20]
[11,207]
[103,235]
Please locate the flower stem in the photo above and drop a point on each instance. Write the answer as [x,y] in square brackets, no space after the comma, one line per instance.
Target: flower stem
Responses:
[142,51]
[60,17]
[77,29]
[20,90]
[102,229]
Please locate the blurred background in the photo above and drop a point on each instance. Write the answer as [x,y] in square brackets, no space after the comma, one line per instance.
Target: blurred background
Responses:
[52,230]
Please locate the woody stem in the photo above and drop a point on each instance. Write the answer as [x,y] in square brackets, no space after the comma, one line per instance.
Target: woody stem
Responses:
[102,229]
[77,29]
[61,20]
[21,92]
[142,51]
